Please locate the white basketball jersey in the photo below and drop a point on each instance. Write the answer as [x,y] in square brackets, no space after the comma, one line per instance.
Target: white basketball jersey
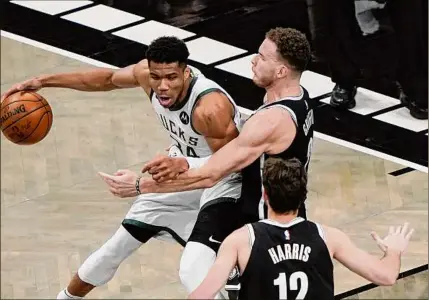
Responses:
[178,122]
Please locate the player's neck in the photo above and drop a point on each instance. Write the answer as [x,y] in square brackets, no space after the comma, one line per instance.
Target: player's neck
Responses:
[283,89]
[184,93]
[282,218]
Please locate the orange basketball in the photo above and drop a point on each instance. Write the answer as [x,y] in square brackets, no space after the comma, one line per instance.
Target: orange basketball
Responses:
[26,118]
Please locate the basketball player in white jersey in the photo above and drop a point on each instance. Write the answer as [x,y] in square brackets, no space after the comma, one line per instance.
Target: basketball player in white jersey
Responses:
[200,117]
[287,257]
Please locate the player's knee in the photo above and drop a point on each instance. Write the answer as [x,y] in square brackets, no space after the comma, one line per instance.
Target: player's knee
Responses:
[100,267]
[195,263]
[187,263]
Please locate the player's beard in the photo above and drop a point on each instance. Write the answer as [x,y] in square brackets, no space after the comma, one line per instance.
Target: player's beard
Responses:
[179,98]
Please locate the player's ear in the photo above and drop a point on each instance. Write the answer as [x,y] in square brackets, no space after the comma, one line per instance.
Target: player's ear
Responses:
[187,73]
[265,196]
[283,71]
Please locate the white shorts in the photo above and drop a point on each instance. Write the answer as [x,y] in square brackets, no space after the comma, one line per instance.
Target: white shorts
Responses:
[176,213]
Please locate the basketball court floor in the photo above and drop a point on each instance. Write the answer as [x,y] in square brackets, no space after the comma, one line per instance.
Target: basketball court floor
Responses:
[55,210]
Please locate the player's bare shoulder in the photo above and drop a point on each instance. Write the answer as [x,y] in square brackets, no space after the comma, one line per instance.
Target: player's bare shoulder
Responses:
[274,114]
[276,121]
[213,103]
[333,238]
[213,112]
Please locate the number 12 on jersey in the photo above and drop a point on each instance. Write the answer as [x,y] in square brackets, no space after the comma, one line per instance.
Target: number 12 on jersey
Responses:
[282,283]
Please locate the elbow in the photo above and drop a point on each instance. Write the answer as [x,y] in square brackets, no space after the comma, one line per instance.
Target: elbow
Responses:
[98,80]
[387,279]
[391,280]
[110,84]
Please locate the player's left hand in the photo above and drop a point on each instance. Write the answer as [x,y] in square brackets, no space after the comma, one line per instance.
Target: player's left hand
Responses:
[121,184]
[397,239]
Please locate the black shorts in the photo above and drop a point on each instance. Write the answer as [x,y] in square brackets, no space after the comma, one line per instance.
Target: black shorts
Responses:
[215,222]
[144,232]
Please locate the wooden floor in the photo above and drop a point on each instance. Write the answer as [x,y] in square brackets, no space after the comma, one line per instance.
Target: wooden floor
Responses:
[55,210]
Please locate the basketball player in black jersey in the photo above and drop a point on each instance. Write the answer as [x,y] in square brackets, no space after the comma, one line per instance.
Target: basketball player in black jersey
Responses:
[287,257]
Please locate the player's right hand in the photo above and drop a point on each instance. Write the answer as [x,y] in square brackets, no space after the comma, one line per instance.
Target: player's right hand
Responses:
[33,84]
[396,240]
[164,168]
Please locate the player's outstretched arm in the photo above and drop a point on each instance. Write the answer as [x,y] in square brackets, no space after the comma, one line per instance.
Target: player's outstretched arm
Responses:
[213,118]
[97,79]
[266,131]
[269,131]
[226,260]
[381,271]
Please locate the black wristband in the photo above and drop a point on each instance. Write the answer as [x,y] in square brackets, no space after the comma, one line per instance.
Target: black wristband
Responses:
[138,185]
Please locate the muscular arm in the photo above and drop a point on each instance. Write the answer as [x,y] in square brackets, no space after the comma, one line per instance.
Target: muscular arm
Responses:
[213,118]
[99,79]
[381,271]
[269,131]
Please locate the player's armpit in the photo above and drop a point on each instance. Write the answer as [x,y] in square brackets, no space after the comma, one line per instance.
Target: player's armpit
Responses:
[379,271]
[227,259]
[213,118]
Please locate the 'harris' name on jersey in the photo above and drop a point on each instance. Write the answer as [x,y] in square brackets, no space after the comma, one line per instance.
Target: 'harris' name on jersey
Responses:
[289,251]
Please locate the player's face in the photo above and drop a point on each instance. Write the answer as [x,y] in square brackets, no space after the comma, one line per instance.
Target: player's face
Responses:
[266,65]
[167,81]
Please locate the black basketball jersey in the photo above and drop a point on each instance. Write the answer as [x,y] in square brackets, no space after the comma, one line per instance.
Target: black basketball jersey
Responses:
[287,261]
[303,118]
[302,115]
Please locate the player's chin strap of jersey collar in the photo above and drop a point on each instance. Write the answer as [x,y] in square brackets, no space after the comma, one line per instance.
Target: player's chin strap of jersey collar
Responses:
[138,185]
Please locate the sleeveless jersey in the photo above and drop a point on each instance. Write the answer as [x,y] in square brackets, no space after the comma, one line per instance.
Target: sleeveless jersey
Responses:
[287,261]
[300,148]
[178,120]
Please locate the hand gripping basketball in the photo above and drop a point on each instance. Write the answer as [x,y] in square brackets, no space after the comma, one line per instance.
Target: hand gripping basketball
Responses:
[33,84]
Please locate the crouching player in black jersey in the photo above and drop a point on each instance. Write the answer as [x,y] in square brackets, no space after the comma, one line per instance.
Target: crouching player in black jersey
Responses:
[288,257]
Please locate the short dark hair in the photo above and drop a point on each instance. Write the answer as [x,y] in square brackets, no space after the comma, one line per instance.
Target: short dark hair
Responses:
[168,49]
[292,46]
[285,182]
